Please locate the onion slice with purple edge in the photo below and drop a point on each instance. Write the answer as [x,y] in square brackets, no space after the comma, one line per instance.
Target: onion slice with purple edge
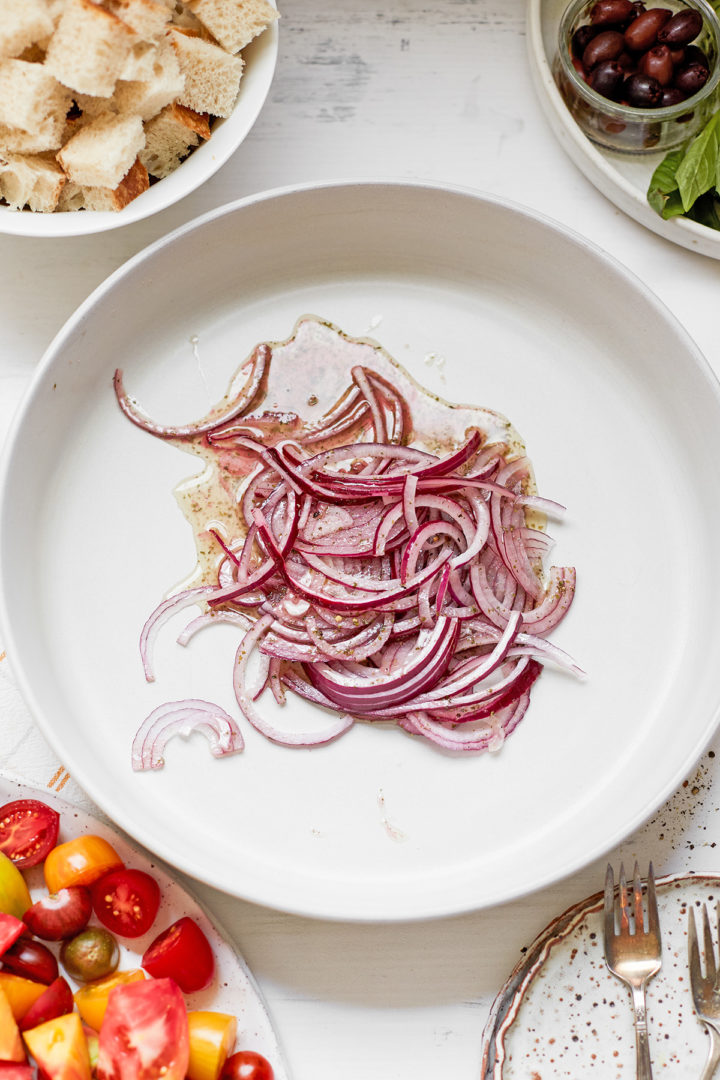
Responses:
[183,718]
[376,580]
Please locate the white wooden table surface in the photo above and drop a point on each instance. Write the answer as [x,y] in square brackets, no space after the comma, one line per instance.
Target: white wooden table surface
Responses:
[431,89]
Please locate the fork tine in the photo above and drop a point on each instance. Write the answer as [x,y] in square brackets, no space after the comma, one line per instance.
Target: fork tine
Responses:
[708,946]
[609,904]
[638,901]
[693,948]
[624,919]
[652,908]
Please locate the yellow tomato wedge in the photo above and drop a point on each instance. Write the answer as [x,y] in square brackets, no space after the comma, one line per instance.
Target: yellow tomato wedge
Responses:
[11,1045]
[92,999]
[60,1048]
[212,1037]
[21,993]
[80,862]
[14,895]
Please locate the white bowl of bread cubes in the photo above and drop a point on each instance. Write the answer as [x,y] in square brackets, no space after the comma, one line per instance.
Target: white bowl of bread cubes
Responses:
[111,110]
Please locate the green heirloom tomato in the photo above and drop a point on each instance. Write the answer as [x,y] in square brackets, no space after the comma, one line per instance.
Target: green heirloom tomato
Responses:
[14,895]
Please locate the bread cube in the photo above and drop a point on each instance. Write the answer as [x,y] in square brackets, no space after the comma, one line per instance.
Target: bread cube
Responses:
[146,97]
[30,181]
[103,151]
[234,23]
[23,23]
[33,101]
[89,48]
[170,136]
[212,76]
[148,18]
[134,182]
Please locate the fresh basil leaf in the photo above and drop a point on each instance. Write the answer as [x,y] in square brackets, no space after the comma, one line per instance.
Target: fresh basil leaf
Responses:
[697,171]
[663,184]
[674,206]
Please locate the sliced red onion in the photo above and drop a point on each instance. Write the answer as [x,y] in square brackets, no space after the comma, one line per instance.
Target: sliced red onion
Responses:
[259,360]
[183,718]
[160,615]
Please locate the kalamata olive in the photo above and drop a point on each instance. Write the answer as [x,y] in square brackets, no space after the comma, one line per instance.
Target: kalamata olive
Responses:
[627,62]
[691,78]
[31,960]
[694,55]
[682,28]
[606,46]
[642,91]
[578,65]
[610,12]
[658,63]
[642,32]
[671,96]
[607,79]
[91,954]
[582,38]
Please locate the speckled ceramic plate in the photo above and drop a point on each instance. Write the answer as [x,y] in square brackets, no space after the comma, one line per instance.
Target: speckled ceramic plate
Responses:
[233,989]
[562,1014]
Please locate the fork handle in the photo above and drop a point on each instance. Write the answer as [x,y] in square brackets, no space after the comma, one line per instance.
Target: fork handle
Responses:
[713,1057]
[642,1049]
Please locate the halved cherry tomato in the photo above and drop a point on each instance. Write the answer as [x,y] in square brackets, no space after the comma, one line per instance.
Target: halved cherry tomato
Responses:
[126,901]
[32,960]
[61,914]
[144,1034]
[80,862]
[247,1065]
[92,999]
[11,1070]
[20,992]
[10,930]
[55,1001]
[60,1049]
[212,1037]
[14,895]
[28,831]
[183,953]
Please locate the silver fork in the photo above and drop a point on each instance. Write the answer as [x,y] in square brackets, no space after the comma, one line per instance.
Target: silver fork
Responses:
[633,952]
[705,988]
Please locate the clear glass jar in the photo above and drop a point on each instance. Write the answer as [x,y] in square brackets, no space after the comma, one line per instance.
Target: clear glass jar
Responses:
[624,127]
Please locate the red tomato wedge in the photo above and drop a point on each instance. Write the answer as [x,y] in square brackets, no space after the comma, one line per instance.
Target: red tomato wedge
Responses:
[10,930]
[183,953]
[28,831]
[126,902]
[56,1001]
[9,1070]
[144,1033]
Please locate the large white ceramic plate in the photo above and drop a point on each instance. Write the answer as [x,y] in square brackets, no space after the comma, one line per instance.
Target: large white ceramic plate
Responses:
[622,178]
[621,416]
[233,989]
[562,1013]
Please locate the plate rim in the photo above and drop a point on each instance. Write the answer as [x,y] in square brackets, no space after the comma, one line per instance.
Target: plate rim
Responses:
[597,166]
[438,188]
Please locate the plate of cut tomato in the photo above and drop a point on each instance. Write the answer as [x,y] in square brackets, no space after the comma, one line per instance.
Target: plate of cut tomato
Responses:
[109,968]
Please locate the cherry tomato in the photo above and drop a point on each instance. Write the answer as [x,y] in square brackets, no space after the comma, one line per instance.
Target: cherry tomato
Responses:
[61,914]
[91,954]
[183,953]
[57,1000]
[247,1065]
[10,1070]
[31,960]
[126,901]
[14,895]
[28,831]
[80,862]
[144,1033]
[212,1037]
